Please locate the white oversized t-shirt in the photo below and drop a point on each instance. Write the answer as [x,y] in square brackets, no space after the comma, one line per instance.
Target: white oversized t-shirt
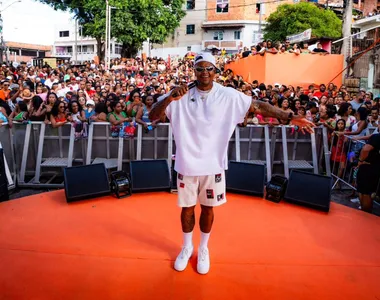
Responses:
[203,123]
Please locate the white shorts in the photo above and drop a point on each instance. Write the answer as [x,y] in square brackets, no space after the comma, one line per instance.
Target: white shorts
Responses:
[211,190]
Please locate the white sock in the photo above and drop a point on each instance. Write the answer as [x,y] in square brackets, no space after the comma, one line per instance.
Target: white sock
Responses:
[204,240]
[188,239]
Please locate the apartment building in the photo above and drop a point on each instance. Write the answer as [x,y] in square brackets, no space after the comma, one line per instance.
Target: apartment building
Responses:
[188,36]
[67,36]
[18,52]
[233,24]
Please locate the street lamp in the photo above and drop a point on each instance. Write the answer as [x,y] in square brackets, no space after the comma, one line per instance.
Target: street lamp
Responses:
[2,45]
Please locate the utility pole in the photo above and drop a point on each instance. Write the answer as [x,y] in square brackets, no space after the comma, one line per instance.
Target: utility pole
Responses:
[76,42]
[106,39]
[2,44]
[260,16]
[347,42]
[1,39]
[109,36]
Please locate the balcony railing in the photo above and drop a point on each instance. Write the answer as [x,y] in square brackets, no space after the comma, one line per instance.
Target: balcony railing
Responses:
[220,44]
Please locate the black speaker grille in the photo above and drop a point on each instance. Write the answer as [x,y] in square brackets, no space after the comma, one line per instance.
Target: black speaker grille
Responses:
[309,189]
[3,179]
[245,178]
[86,181]
[150,175]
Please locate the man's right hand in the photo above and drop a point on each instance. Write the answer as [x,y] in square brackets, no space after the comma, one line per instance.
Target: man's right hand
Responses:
[178,92]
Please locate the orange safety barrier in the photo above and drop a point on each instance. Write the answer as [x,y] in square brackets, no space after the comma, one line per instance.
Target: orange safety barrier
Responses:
[289,69]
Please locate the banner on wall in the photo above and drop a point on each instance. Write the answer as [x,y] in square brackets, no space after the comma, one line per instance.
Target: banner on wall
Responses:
[299,37]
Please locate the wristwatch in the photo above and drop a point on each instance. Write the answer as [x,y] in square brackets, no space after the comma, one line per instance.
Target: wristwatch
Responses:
[290,117]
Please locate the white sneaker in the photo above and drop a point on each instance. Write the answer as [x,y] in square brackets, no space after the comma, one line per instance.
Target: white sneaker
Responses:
[180,263]
[355,200]
[203,265]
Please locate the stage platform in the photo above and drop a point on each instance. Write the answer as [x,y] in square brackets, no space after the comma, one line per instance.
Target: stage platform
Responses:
[108,248]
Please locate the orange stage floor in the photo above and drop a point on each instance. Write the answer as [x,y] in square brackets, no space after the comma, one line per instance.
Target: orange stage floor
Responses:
[124,249]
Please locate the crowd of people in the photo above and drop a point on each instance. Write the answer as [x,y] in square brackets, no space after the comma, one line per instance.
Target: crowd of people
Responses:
[125,95]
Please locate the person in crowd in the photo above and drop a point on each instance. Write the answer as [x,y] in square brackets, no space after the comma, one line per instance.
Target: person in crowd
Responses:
[368,175]
[37,111]
[142,116]
[58,114]
[338,149]
[345,112]
[3,116]
[100,113]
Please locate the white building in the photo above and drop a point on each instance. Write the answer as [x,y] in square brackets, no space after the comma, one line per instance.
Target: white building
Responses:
[231,35]
[187,37]
[66,37]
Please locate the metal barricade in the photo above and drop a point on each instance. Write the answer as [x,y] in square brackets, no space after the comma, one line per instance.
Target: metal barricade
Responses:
[106,155]
[291,159]
[257,137]
[345,152]
[42,140]
[40,151]
[6,143]
[155,144]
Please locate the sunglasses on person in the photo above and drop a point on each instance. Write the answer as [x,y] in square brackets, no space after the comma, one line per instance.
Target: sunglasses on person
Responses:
[208,69]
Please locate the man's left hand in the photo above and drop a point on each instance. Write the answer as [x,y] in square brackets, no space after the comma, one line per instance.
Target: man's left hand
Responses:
[303,124]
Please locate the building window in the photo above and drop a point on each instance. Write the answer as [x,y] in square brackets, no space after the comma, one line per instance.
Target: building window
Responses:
[260,8]
[222,6]
[237,35]
[64,33]
[190,4]
[118,48]
[218,35]
[188,48]
[190,29]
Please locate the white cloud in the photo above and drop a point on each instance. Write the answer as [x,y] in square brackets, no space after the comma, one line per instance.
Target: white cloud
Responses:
[31,22]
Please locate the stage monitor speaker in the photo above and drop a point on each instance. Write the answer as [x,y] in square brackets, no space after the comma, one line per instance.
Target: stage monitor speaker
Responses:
[245,178]
[309,189]
[150,175]
[4,196]
[276,188]
[85,182]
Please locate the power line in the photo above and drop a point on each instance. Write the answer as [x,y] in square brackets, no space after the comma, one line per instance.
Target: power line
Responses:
[241,5]
[186,10]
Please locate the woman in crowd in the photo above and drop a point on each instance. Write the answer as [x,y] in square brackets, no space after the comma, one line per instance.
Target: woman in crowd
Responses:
[37,111]
[58,115]
[3,116]
[134,103]
[100,113]
[142,116]
[344,113]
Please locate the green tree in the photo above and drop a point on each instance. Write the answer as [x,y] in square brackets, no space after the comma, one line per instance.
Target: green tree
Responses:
[290,19]
[132,21]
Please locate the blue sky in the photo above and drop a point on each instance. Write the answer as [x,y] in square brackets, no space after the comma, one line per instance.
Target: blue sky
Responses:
[30,21]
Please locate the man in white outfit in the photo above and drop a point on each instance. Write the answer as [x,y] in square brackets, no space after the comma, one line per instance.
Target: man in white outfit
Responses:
[203,120]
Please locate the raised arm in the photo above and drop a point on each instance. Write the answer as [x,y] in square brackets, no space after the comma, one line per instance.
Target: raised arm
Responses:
[158,110]
[268,110]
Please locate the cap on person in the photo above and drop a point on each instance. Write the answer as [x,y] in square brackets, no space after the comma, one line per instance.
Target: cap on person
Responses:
[207,57]
[90,102]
